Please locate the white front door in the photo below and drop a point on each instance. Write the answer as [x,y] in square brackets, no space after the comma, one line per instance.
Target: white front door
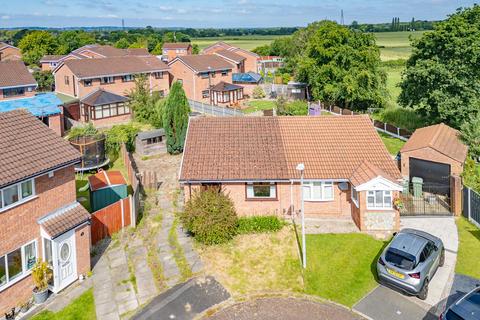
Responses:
[65,267]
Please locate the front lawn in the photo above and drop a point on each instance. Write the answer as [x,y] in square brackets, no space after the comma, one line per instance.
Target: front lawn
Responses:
[82,308]
[393,144]
[341,267]
[468,262]
[263,262]
[259,105]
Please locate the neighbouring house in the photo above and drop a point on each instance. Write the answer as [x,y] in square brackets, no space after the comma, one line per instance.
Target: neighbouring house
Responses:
[235,59]
[47,107]
[96,82]
[348,173]
[251,58]
[16,81]
[437,156]
[9,52]
[171,50]
[270,64]
[148,143]
[247,80]
[207,79]
[50,62]
[40,217]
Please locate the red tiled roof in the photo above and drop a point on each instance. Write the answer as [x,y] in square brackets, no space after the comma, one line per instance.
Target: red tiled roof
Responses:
[230,55]
[29,147]
[109,51]
[439,137]
[64,219]
[15,74]
[52,58]
[269,148]
[105,178]
[204,62]
[176,45]
[366,172]
[88,68]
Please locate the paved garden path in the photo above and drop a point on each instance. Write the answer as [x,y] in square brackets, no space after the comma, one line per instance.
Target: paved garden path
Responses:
[138,265]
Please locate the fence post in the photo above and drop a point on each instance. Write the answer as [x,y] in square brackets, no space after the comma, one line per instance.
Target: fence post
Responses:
[133,218]
[351,112]
[385,127]
[469,204]
[123,213]
[398,131]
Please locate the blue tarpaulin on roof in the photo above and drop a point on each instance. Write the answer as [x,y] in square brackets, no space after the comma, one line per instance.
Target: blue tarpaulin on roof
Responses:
[44,104]
[249,77]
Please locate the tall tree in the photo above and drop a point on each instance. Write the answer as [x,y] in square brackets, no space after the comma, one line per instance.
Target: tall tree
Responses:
[471,135]
[140,100]
[73,39]
[442,78]
[175,118]
[36,44]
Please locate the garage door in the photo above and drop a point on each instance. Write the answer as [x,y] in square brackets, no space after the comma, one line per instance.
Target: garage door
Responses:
[435,175]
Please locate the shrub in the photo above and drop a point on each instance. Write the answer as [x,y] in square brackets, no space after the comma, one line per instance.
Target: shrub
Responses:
[259,224]
[258,93]
[84,130]
[210,216]
[294,108]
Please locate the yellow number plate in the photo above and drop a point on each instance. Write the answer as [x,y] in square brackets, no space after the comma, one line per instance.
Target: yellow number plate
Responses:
[396,274]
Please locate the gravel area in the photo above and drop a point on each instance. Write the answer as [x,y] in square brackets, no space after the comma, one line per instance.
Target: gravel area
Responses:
[284,309]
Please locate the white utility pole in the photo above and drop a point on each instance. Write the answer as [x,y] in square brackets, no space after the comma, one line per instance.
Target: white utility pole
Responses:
[301,168]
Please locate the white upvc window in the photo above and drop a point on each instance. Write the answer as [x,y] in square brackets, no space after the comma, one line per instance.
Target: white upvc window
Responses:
[318,191]
[17,264]
[379,199]
[355,196]
[16,194]
[261,190]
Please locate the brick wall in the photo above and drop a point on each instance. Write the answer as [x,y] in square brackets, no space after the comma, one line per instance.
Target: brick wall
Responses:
[15,295]
[55,122]
[251,61]
[11,54]
[82,242]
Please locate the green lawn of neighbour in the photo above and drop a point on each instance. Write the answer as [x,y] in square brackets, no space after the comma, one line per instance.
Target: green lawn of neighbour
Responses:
[393,144]
[468,262]
[341,267]
[82,308]
[259,105]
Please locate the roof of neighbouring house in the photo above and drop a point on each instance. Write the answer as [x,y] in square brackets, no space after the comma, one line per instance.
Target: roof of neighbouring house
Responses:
[225,86]
[40,105]
[439,137]
[269,148]
[151,134]
[230,55]
[4,45]
[204,62]
[64,219]
[108,51]
[29,147]
[104,179]
[218,44]
[101,97]
[176,45]
[52,58]
[249,77]
[15,74]
[90,68]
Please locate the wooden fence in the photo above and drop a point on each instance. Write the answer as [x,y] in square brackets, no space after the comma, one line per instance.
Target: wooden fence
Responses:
[111,219]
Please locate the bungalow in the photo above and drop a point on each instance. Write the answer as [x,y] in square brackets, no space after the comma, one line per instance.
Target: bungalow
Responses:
[172,50]
[15,80]
[40,217]
[206,78]
[9,52]
[348,172]
[106,78]
[251,58]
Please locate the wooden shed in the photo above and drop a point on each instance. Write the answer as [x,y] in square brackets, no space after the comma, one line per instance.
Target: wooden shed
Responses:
[152,142]
[106,187]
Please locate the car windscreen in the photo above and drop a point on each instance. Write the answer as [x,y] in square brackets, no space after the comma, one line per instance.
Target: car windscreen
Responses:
[474,298]
[400,259]
[451,315]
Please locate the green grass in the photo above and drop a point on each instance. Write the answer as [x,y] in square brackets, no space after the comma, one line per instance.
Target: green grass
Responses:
[393,144]
[82,308]
[395,45]
[80,182]
[259,105]
[178,253]
[394,77]
[468,262]
[341,267]
[244,42]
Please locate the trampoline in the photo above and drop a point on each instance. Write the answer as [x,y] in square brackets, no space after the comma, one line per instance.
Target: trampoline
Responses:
[92,149]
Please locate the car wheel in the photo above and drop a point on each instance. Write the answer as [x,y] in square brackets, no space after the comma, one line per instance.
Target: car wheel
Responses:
[422,295]
[442,258]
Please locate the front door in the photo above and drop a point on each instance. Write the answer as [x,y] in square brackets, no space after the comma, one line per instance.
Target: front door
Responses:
[65,270]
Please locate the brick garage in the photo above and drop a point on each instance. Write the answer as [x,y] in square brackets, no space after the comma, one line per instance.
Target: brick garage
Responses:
[439,145]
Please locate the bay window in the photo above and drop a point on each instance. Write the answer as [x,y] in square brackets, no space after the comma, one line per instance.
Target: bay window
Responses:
[16,193]
[17,263]
[261,190]
[379,199]
[318,191]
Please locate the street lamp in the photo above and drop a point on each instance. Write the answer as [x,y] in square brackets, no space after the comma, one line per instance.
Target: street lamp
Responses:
[301,168]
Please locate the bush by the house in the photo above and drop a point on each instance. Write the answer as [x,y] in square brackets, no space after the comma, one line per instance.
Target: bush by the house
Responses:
[294,108]
[258,93]
[210,216]
[259,224]
[123,133]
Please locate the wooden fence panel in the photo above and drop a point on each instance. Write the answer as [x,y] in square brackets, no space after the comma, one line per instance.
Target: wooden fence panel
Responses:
[111,219]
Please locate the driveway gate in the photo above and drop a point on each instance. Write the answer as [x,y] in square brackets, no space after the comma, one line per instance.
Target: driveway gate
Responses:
[430,200]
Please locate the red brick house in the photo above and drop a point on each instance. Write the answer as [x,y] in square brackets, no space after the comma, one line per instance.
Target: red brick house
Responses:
[16,81]
[40,217]
[251,59]
[172,50]
[349,174]
[207,78]
[9,52]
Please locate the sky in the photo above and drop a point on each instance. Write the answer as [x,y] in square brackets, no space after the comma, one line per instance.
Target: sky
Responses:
[215,13]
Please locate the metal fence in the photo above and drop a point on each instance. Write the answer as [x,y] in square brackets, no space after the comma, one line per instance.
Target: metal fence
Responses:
[471,205]
[275,89]
[213,110]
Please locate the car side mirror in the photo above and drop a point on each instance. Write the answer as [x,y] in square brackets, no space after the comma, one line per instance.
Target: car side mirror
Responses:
[395,233]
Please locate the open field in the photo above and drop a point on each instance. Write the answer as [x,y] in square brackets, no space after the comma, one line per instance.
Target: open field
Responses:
[395,45]
[244,42]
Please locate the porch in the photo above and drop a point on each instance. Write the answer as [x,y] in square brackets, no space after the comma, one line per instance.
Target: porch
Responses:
[225,93]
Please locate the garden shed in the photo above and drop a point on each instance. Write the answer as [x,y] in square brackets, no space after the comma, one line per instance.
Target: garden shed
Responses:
[152,142]
[106,187]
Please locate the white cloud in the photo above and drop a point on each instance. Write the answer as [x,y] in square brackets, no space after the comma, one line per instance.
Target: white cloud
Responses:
[5,17]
